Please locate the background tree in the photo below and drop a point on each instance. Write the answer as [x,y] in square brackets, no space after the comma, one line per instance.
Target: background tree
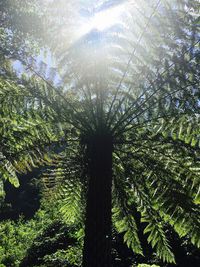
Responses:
[131,102]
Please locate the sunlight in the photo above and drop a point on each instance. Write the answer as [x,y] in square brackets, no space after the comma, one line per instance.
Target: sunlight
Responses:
[102,20]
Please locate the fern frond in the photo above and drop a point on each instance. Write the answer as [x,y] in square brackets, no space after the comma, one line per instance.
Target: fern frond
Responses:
[123,215]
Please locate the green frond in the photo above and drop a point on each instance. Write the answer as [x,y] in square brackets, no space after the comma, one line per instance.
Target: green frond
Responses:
[62,181]
[168,176]
[140,197]
[72,205]
[125,223]
[8,171]
[157,237]
[155,228]
[123,214]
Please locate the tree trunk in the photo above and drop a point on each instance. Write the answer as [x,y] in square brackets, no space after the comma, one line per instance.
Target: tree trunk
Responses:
[97,243]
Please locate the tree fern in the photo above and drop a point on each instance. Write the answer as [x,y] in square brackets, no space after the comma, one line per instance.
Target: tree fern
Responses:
[130,100]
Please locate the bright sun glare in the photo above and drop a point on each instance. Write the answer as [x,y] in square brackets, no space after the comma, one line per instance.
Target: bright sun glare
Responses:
[102,20]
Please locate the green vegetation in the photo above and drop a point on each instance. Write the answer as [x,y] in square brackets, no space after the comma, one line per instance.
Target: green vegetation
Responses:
[112,133]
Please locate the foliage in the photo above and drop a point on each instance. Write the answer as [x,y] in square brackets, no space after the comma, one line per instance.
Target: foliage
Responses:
[14,240]
[40,240]
[48,247]
[70,257]
[20,28]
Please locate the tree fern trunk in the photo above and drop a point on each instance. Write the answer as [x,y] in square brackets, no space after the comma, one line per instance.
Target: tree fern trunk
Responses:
[97,243]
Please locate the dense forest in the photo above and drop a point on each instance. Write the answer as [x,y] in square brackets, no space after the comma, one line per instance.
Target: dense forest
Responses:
[99,133]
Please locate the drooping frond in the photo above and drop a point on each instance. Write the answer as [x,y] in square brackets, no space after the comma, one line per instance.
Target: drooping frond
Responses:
[124,215]
[29,129]
[64,180]
[161,170]
[139,201]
